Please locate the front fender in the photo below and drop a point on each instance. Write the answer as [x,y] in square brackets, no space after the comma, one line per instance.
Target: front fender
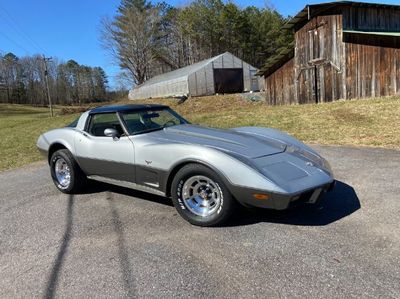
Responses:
[167,156]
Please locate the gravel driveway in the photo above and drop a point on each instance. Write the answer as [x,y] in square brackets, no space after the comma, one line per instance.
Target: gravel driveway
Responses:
[115,242]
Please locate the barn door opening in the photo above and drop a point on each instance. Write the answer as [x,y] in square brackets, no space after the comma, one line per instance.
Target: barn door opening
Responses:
[228,80]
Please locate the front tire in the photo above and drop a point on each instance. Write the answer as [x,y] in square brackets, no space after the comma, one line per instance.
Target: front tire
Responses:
[66,173]
[201,197]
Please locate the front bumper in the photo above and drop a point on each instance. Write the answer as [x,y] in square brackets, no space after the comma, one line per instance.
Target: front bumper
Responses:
[281,201]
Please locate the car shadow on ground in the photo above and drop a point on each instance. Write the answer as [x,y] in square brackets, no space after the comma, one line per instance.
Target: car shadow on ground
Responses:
[337,204]
[99,187]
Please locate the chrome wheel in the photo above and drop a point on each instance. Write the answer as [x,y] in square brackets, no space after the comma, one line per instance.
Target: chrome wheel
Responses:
[201,195]
[62,172]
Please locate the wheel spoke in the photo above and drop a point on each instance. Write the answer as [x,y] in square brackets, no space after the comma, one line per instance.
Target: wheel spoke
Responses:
[201,195]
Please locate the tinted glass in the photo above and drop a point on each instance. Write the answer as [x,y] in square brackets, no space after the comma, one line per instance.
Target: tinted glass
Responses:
[100,122]
[150,120]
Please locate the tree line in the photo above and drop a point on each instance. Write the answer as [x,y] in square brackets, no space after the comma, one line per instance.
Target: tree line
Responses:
[22,81]
[148,39]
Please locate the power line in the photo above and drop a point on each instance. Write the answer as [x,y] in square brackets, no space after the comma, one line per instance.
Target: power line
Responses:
[19,30]
[14,42]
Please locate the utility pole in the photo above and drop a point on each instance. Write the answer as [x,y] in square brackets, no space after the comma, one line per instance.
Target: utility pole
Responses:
[45,59]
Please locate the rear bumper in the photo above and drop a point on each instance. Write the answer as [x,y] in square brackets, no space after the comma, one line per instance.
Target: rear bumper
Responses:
[42,145]
[281,201]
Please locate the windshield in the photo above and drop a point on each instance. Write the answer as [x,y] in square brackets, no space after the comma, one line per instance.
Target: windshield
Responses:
[150,120]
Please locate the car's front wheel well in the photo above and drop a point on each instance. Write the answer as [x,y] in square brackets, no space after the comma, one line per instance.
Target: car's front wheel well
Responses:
[53,148]
[178,167]
[171,176]
[201,196]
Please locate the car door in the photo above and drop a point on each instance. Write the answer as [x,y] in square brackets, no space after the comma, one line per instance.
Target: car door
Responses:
[99,155]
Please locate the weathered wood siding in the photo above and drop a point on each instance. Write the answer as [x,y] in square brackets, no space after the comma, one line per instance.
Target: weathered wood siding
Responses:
[318,53]
[371,19]
[309,82]
[280,87]
[372,71]
[329,64]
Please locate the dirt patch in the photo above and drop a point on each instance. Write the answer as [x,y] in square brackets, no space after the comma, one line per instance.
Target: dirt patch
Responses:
[348,115]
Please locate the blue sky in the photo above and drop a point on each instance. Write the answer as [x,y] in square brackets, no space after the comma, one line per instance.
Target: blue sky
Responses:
[70,29]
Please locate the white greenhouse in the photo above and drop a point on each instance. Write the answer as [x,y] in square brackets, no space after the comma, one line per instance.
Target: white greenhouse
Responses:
[224,73]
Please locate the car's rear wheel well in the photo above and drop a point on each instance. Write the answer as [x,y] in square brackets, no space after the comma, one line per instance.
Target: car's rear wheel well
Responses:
[53,148]
[178,167]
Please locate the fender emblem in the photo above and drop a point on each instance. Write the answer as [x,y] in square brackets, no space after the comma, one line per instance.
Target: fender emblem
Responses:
[148,162]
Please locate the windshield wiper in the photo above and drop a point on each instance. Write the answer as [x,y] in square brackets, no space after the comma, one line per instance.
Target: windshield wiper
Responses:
[149,130]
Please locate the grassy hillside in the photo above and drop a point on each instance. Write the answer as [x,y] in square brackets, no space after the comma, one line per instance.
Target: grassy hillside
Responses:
[370,122]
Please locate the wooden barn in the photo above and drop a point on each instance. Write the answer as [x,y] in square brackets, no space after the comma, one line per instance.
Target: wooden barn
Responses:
[341,50]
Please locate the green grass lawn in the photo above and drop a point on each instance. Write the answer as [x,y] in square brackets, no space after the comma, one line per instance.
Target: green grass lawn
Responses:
[366,122]
[20,126]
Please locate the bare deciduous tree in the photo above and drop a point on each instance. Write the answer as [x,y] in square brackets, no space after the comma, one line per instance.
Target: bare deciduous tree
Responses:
[132,39]
[146,40]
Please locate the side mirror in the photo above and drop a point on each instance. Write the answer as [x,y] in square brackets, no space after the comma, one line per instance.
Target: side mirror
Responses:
[111,133]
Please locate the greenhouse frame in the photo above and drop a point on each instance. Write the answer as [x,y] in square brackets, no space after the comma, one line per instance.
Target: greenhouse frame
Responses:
[221,74]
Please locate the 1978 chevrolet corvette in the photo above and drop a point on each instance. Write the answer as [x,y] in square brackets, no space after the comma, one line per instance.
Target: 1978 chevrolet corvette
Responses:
[205,171]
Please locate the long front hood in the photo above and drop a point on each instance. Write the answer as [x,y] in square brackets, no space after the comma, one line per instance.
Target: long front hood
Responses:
[243,144]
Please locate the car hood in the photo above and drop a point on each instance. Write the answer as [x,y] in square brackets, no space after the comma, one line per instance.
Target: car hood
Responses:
[250,146]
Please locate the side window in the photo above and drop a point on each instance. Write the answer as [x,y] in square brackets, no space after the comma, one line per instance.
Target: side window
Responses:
[100,122]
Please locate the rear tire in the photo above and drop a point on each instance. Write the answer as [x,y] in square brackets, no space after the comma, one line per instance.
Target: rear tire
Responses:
[201,197]
[66,173]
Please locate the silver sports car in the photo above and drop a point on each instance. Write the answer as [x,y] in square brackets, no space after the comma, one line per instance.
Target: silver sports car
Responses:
[205,171]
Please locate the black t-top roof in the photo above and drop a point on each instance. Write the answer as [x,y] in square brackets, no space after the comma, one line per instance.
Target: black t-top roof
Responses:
[130,107]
